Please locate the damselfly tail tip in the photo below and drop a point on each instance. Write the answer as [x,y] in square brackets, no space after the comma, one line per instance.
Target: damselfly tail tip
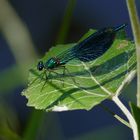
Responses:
[120,27]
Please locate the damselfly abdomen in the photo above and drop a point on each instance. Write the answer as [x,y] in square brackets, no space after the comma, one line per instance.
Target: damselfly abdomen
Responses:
[87,50]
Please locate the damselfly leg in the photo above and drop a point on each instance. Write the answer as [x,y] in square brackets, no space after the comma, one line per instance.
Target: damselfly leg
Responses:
[46,78]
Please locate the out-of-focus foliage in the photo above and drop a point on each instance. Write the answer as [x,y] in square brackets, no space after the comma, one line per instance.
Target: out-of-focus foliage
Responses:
[9,125]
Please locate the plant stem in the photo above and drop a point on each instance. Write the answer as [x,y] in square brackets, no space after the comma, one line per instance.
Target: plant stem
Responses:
[33,125]
[115,116]
[136,33]
[66,22]
[130,118]
[17,37]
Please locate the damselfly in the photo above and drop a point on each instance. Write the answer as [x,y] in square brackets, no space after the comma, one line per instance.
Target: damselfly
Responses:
[87,50]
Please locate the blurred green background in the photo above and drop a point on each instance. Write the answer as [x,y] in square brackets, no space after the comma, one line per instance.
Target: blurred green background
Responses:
[28,28]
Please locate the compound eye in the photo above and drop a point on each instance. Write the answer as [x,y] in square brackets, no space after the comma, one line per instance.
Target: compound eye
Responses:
[40,66]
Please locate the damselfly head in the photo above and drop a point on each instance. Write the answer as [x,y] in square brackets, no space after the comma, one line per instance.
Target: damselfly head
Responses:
[40,65]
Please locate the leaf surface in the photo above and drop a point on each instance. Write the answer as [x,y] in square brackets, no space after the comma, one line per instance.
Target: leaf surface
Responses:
[86,84]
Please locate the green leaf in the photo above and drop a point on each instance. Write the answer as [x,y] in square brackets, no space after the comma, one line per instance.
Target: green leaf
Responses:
[95,81]
[9,124]
[136,113]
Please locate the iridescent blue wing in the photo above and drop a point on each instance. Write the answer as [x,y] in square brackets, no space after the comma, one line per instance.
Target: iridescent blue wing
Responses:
[94,46]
